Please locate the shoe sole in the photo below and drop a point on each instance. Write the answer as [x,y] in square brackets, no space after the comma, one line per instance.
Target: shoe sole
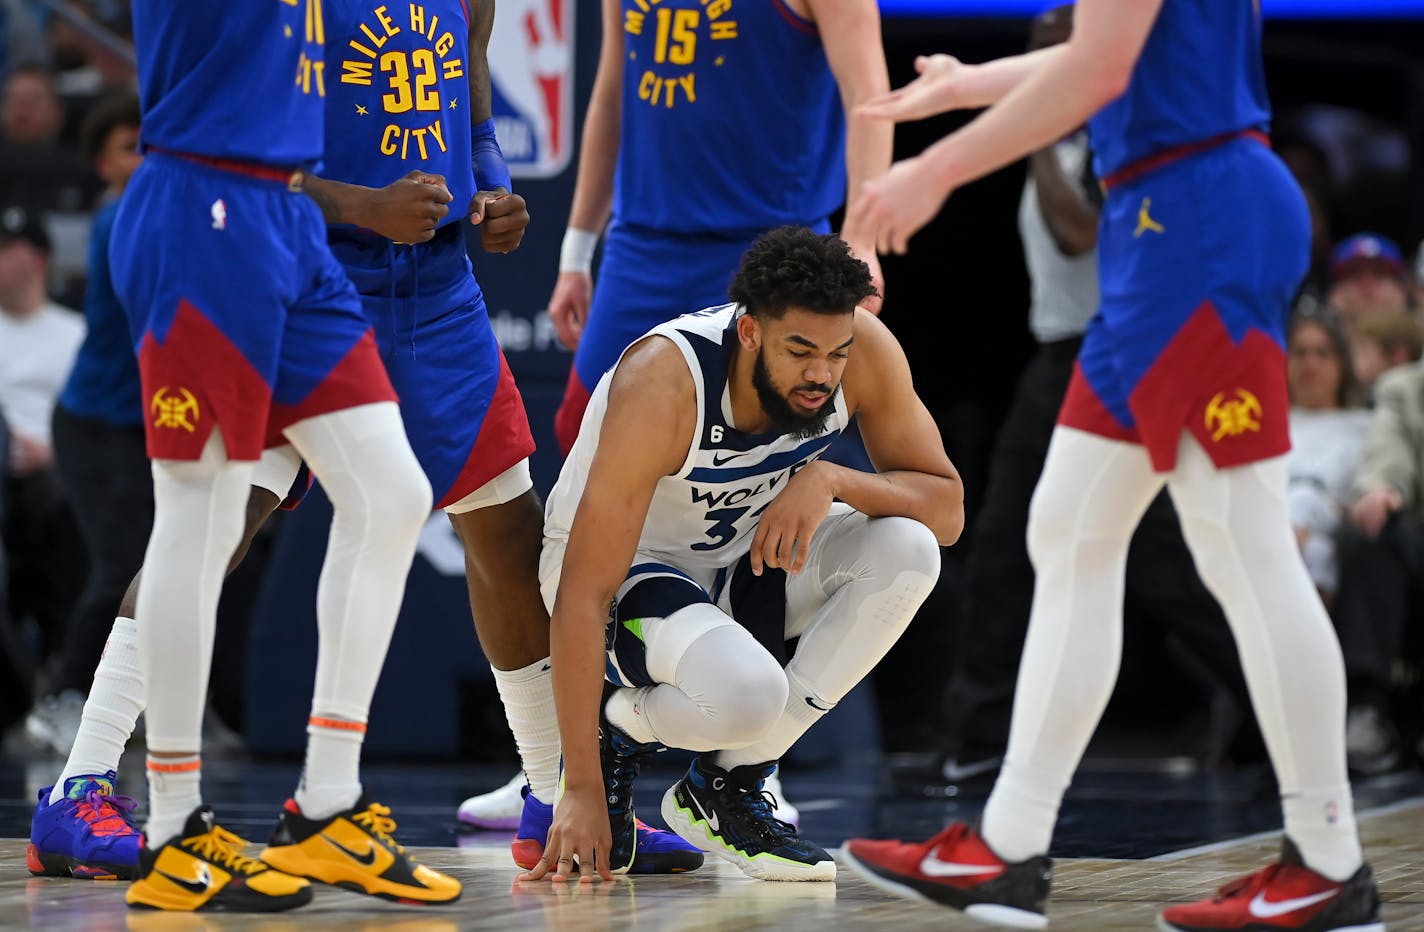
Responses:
[699,834]
[233,903]
[991,913]
[62,865]
[355,885]
[1165,926]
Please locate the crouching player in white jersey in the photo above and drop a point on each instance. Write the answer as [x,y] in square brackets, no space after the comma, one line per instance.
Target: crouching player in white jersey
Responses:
[694,503]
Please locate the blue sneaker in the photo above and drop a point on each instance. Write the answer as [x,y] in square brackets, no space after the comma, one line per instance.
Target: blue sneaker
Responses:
[658,852]
[89,833]
[730,814]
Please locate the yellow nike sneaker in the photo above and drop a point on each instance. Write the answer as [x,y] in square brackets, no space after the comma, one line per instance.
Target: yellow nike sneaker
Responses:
[204,869]
[354,849]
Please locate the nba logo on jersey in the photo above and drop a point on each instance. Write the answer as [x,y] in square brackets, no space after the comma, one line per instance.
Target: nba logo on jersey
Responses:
[531,52]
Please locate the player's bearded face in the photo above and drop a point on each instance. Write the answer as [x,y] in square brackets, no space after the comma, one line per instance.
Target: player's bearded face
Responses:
[791,417]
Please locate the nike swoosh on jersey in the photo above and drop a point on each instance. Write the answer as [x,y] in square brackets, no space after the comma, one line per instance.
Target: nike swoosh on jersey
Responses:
[723,460]
[932,866]
[366,859]
[1262,908]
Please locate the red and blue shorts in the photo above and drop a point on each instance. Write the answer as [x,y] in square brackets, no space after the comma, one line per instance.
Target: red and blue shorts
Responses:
[1200,259]
[240,315]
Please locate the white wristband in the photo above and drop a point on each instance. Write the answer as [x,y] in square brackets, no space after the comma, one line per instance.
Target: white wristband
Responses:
[576,253]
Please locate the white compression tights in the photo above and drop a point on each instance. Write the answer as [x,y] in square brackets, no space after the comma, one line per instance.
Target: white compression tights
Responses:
[1087,504]
[720,690]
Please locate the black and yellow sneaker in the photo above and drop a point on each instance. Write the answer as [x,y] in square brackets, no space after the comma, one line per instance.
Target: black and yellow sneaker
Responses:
[204,869]
[354,849]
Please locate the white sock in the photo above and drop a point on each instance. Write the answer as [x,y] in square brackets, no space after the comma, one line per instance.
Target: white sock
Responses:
[114,704]
[528,697]
[1019,817]
[1322,825]
[173,794]
[331,779]
[625,711]
[795,721]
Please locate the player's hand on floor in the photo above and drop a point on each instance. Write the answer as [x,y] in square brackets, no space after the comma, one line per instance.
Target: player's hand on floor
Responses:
[410,208]
[936,90]
[568,306]
[893,207]
[580,832]
[501,217]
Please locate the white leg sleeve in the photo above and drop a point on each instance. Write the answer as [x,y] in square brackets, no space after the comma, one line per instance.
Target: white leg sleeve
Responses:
[1089,499]
[1238,527]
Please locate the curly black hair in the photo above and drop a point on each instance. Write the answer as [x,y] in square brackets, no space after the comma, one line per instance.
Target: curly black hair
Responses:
[792,267]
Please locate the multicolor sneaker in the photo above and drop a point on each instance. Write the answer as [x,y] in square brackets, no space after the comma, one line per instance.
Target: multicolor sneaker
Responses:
[89,833]
[957,868]
[354,849]
[204,869]
[728,813]
[658,852]
[498,810]
[1285,895]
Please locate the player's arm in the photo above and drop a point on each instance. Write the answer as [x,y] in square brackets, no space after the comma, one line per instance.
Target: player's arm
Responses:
[945,83]
[850,33]
[593,185]
[1070,215]
[914,477]
[1093,68]
[652,386]
[501,216]
[407,210]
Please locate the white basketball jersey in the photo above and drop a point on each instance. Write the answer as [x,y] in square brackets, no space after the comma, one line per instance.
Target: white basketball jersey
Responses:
[702,517]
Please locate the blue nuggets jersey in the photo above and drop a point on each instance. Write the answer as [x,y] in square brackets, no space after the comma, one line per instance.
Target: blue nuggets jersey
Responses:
[240,79]
[400,94]
[1199,76]
[731,119]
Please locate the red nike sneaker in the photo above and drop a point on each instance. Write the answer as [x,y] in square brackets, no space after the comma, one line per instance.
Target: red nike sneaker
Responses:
[957,868]
[1286,895]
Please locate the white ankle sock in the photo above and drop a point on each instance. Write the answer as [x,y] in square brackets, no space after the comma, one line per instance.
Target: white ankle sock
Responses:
[1322,825]
[331,779]
[114,704]
[172,796]
[528,697]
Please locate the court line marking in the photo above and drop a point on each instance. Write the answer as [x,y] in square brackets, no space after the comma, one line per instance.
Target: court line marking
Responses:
[1371,813]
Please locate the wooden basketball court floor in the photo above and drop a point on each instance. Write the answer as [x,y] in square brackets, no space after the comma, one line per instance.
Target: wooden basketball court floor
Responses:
[1089,893]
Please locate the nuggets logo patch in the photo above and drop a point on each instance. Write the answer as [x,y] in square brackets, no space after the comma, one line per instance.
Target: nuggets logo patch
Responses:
[177,411]
[1232,417]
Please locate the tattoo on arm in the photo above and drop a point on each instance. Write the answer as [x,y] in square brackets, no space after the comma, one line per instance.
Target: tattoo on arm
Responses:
[324,194]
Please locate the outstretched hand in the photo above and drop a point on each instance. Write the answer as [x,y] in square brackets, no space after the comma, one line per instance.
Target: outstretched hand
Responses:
[934,91]
[895,206]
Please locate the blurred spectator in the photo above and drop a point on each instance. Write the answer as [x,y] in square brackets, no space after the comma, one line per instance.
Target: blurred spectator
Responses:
[99,443]
[1382,566]
[1380,342]
[1367,277]
[1327,434]
[38,342]
[35,169]
[86,69]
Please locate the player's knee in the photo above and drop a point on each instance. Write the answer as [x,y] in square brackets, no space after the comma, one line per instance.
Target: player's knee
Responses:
[1051,525]
[750,700]
[903,546]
